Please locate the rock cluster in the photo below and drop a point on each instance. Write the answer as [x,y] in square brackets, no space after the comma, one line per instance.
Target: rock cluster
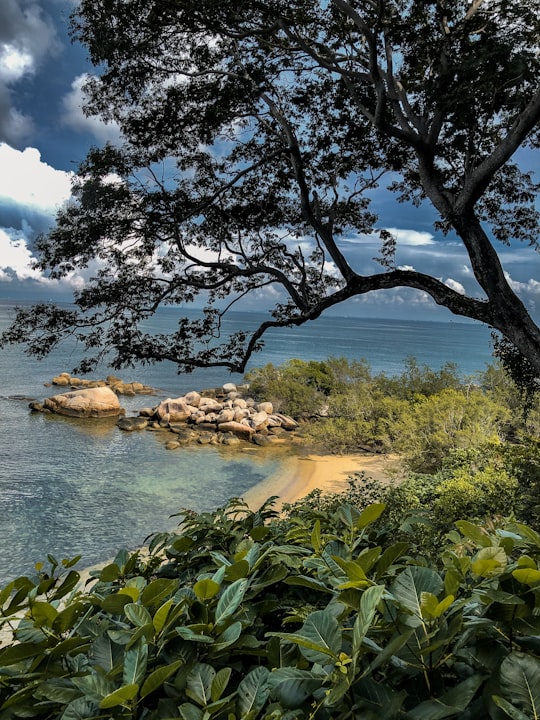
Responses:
[116,384]
[214,417]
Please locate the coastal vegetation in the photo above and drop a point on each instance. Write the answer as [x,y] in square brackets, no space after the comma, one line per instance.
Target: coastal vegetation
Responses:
[411,599]
[328,612]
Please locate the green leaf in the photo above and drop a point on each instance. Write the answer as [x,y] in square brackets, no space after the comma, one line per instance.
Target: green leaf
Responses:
[292,686]
[119,697]
[237,570]
[253,691]
[411,583]
[229,636]
[321,636]
[368,607]
[520,682]
[528,533]
[489,562]
[206,589]
[161,615]
[15,653]
[79,709]
[190,712]
[114,604]
[453,703]
[137,614]
[157,591]
[187,633]
[94,685]
[135,662]
[474,532]
[527,576]
[369,515]
[156,678]
[509,709]
[109,573]
[42,613]
[305,581]
[219,683]
[316,536]
[105,653]
[199,683]
[230,600]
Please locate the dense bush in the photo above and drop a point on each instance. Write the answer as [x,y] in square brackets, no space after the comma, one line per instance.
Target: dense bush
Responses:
[315,615]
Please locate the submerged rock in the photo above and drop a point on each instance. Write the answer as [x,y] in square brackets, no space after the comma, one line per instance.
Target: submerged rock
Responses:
[86,403]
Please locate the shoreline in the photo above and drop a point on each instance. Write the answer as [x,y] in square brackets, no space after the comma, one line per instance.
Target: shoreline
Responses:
[301,474]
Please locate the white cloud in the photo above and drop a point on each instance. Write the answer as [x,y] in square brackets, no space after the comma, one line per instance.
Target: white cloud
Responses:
[74,117]
[411,237]
[455,285]
[529,287]
[26,180]
[16,258]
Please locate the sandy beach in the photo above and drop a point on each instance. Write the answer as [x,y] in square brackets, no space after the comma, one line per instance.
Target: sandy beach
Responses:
[298,476]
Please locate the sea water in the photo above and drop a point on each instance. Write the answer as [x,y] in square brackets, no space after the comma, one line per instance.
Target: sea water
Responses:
[71,487]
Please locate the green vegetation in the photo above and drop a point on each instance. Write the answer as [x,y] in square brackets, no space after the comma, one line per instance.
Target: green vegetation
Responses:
[318,614]
[421,414]
[418,600]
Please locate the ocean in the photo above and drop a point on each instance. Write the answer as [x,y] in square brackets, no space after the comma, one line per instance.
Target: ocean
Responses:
[70,487]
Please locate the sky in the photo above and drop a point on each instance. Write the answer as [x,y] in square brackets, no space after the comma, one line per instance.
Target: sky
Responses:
[44,135]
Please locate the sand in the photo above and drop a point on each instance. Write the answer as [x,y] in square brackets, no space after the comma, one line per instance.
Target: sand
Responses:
[298,476]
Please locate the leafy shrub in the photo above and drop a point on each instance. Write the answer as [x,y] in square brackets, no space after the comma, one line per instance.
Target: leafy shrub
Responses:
[243,616]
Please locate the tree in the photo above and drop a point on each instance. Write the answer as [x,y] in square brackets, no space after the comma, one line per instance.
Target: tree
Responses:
[250,126]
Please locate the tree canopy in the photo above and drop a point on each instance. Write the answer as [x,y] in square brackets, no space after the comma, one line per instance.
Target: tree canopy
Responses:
[252,135]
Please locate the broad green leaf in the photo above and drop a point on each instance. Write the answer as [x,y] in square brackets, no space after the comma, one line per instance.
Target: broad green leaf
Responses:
[105,653]
[119,697]
[137,614]
[411,583]
[79,709]
[368,607]
[509,709]
[157,591]
[230,600]
[219,683]
[135,662]
[237,570]
[57,693]
[206,589]
[190,712]
[15,653]
[354,571]
[321,635]
[368,558]
[430,606]
[389,557]
[161,615]
[43,613]
[451,704]
[474,532]
[528,533]
[520,682]
[348,514]
[305,581]
[156,678]
[132,591]
[253,691]
[229,636]
[369,515]
[528,576]
[187,633]
[109,573]
[114,604]
[292,686]
[199,683]
[489,562]
[94,685]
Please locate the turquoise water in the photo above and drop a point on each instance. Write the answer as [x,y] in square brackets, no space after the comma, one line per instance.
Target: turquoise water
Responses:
[83,487]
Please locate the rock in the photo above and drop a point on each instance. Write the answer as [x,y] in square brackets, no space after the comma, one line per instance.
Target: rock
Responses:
[226,415]
[147,412]
[237,428]
[210,405]
[205,438]
[230,439]
[172,445]
[261,440]
[286,422]
[239,403]
[229,387]
[193,398]
[173,410]
[258,421]
[266,407]
[62,380]
[184,435]
[130,424]
[90,402]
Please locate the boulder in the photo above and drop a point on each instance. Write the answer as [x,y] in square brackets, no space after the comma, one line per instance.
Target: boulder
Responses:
[261,440]
[226,415]
[129,424]
[243,431]
[87,403]
[173,410]
[286,422]
[266,407]
[229,387]
[193,398]
[258,421]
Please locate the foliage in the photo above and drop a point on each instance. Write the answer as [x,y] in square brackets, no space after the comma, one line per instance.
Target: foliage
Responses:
[242,616]
[253,136]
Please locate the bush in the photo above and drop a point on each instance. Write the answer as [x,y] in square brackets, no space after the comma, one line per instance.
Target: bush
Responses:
[242,616]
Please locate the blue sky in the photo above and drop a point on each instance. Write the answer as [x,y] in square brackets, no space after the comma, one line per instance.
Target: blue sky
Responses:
[44,135]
